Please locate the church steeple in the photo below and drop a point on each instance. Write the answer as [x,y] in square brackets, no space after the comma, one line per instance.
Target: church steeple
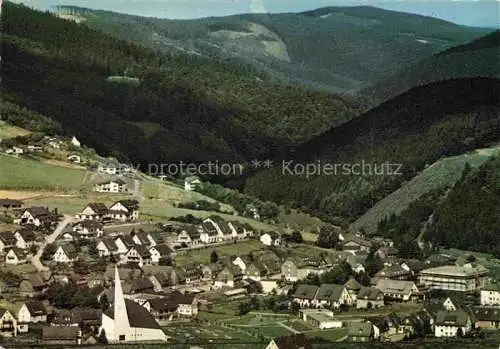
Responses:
[120,310]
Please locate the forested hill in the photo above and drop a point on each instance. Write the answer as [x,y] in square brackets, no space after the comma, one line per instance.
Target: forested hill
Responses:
[479,58]
[413,129]
[335,48]
[141,106]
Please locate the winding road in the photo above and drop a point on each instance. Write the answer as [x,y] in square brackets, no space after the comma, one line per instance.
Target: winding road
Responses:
[49,239]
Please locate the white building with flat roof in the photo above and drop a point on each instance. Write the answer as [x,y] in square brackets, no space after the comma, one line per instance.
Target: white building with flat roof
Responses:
[454,278]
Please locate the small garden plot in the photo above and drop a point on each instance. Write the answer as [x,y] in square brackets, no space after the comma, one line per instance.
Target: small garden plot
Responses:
[272,331]
[333,334]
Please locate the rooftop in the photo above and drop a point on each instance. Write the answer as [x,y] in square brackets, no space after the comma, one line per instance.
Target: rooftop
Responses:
[451,270]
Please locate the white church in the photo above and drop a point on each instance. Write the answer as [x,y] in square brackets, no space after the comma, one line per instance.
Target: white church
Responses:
[126,321]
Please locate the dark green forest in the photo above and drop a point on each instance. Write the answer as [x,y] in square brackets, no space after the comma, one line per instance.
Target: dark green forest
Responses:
[465,216]
[185,108]
[413,129]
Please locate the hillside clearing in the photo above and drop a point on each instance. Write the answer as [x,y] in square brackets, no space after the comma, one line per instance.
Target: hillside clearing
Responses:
[9,131]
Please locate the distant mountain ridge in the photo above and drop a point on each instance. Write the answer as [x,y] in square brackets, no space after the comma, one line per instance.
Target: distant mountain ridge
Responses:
[479,58]
[337,49]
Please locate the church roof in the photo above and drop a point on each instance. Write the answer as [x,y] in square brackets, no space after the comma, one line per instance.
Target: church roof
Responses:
[138,316]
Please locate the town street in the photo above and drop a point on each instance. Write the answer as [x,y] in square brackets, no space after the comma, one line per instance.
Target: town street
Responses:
[49,239]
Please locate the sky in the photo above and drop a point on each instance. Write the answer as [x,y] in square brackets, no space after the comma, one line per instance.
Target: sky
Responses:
[480,13]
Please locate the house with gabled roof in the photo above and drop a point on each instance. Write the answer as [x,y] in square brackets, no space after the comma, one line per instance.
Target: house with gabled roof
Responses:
[397,289]
[360,332]
[192,183]
[490,294]
[188,237]
[93,211]
[158,252]
[452,323]
[305,295]
[243,262]
[8,323]
[487,317]
[229,276]
[15,256]
[37,216]
[7,240]
[32,312]
[369,298]
[124,210]
[124,243]
[394,272]
[240,231]
[89,229]
[271,262]
[111,186]
[355,244]
[141,238]
[25,238]
[331,296]
[137,254]
[33,284]
[353,287]
[270,239]
[255,271]
[65,254]
[295,341]
[107,247]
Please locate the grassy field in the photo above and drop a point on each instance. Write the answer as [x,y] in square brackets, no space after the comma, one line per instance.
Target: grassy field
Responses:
[19,269]
[333,334]
[203,255]
[9,131]
[205,332]
[19,173]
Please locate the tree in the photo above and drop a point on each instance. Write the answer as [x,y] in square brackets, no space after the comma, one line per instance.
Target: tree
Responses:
[294,307]
[328,236]
[48,252]
[296,237]
[214,257]
[104,302]
[471,258]
[167,260]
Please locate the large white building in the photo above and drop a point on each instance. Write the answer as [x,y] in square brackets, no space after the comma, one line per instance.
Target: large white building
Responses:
[126,321]
[491,295]
[454,278]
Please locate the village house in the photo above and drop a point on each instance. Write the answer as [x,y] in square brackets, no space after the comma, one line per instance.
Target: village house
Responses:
[124,243]
[369,298]
[230,276]
[137,254]
[356,244]
[25,238]
[270,239]
[394,272]
[467,278]
[255,271]
[162,309]
[143,238]
[240,231]
[320,318]
[9,204]
[15,256]
[452,324]
[209,234]
[62,335]
[8,323]
[397,290]
[7,241]
[243,262]
[160,281]
[93,211]
[490,295]
[487,317]
[332,296]
[353,287]
[305,295]
[188,238]
[75,142]
[296,341]
[386,326]
[37,216]
[111,186]
[107,247]
[158,252]
[124,210]
[33,285]
[32,312]
[110,169]
[140,285]
[270,261]
[15,150]
[65,254]
[74,158]
[210,271]
[360,332]
[89,229]
[192,183]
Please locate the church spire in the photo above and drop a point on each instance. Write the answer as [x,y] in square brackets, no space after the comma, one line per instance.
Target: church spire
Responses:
[120,309]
